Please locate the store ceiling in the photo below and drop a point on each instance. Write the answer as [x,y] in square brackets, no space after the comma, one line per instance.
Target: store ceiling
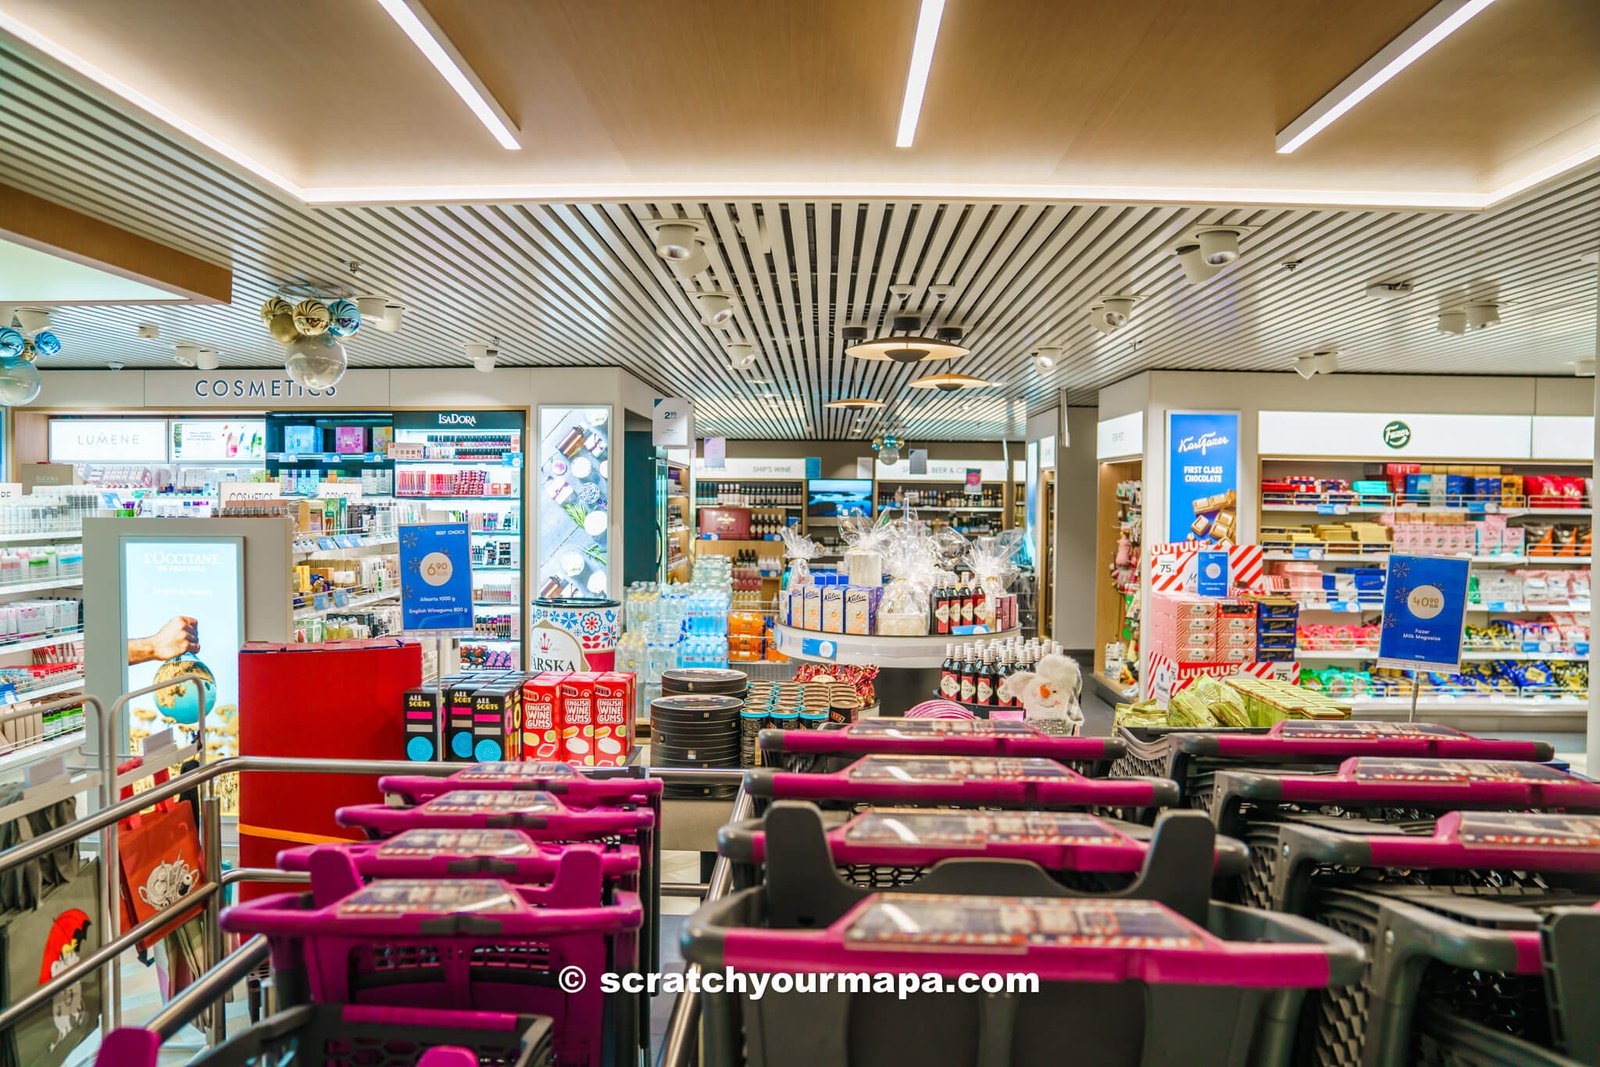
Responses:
[333,100]
[577,283]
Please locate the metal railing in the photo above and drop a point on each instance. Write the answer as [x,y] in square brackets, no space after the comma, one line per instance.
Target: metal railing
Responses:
[224,969]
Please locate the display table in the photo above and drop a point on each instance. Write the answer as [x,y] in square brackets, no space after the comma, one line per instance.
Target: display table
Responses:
[908,666]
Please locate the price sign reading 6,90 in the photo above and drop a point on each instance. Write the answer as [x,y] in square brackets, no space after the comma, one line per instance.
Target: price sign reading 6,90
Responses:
[436,577]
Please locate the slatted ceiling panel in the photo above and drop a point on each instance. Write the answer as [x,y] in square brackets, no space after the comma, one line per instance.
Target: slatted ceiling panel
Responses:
[579,284]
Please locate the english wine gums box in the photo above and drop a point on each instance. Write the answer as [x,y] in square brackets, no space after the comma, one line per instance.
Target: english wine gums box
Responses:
[577,717]
[541,716]
[613,719]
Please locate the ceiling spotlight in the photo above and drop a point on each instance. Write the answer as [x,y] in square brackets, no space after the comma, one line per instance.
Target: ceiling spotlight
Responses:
[483,357]
[1205,251]
[1046,358]
[1482,315]
[380,312]
[1583,368]
[949,383]
[677,239]
[1218,247]
[716,309]
[1111,312]
[207,359]
[1453,322]
[910,348]
[1194,268]
[184,355]
[741,356]
[855,402]
[31,320]
[1322,361]
[1389,290]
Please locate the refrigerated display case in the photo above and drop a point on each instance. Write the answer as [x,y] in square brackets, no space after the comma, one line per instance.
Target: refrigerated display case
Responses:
[574,495]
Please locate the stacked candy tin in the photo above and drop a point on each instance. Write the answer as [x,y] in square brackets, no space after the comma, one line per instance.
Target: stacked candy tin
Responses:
[695,723]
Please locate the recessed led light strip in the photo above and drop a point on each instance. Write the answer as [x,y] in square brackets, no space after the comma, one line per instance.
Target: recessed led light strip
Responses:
[1443,19]
[917,77]
[430,40]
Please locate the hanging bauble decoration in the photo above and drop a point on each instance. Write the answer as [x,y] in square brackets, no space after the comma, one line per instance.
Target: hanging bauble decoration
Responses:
[315,362]
[311,317]
[19,381]
[46,343]
[274,307]
[282,328]
[11,342]
[344,318]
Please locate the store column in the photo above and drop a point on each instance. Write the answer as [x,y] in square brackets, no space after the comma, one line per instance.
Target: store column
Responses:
[1592,739]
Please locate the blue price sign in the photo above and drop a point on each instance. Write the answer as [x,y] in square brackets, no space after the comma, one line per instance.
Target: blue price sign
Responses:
[1424,612]
[435,577]
[1211,574]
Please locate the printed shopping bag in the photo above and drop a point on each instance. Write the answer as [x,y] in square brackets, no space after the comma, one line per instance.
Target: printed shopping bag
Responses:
[159,853]
[39,944]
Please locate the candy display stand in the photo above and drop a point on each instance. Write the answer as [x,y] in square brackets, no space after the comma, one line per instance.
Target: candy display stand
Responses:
[908,667]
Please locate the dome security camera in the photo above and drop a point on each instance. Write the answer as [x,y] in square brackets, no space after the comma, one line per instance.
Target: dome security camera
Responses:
[483,357]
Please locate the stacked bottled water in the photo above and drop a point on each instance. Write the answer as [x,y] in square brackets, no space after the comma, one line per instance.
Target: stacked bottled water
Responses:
[676,624]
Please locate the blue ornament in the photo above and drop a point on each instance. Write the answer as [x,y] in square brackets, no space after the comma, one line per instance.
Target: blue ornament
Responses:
[46,343]
[344,318]
[11,342]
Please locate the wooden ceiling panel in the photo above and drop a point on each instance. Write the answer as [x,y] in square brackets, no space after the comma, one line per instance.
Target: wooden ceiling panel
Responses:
[1149,93]
[579,284]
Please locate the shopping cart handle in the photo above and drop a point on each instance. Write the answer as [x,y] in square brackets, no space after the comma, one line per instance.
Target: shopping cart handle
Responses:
[448,1057]
[129,1047]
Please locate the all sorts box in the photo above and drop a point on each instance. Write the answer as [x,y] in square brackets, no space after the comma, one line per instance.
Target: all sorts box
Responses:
[541,716]
[497,722]
[424,725]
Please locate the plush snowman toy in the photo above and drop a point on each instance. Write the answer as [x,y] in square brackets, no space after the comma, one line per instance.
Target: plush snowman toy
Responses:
[1049,696]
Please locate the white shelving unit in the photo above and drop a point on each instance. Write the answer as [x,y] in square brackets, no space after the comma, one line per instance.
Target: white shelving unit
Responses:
[21,653]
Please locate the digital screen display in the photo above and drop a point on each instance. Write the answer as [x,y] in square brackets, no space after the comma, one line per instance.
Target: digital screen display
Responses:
[828,498]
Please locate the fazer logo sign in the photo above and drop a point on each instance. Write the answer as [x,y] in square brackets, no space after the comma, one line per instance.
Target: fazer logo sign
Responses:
[458,420]
[1201,444]
[1397,434]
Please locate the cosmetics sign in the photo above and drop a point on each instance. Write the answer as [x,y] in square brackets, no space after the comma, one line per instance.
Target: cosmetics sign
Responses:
[1424,612]
[1203,477]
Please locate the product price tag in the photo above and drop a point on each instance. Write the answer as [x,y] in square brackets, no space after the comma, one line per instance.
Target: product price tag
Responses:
[818,647]
[46,770]
[320,601]
[1302,552]
[327,542]
[1333,509]
[8,693]
[511,459]
[340,598]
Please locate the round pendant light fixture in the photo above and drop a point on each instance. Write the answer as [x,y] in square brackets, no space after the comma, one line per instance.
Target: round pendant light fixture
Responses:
[949,383]
[904,344]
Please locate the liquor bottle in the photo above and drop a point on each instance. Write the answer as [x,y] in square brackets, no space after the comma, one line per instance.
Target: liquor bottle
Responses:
[949,675]
[966,599]
[941,610]
[969,676]
[984,688]
[980,613]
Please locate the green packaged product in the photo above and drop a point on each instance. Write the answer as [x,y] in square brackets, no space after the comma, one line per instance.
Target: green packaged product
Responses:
[1189,707]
